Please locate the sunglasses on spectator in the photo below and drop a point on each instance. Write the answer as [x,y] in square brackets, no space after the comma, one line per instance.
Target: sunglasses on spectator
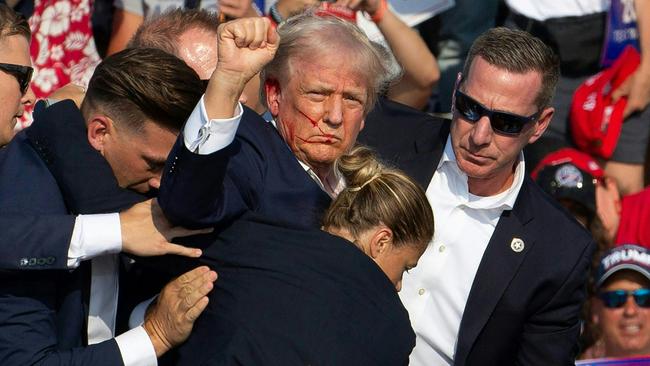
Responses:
[22,73]
[501,122]
[618,298]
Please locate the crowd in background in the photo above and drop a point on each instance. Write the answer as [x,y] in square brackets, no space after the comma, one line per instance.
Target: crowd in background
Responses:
[594,157]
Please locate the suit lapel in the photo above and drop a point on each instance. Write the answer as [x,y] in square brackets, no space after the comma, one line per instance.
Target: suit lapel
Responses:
[428,151]
[499,265]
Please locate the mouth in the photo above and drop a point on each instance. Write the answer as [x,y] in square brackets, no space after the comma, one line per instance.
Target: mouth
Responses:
[320,139]
[476,158]
[631,329]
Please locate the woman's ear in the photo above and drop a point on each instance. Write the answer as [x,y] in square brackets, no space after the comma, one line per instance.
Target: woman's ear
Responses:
[100,128]
[381,241]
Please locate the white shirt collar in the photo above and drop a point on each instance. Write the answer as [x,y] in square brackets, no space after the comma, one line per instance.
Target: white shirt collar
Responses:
[504,200]
[333,184]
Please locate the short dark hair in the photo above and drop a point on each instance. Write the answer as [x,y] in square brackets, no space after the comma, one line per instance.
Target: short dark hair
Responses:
[163,31]
[137,84]
[519,52]
[12,23]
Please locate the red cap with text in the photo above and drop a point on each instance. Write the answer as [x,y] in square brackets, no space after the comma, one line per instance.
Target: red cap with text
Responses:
[595,119]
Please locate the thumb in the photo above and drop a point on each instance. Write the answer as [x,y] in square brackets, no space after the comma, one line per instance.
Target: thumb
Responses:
[272,37]
[621,91]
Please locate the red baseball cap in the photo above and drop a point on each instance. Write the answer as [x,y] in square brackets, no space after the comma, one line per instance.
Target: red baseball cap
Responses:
[595,120]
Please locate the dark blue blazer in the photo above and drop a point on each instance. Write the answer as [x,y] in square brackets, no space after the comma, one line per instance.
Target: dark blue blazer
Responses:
[43,313]
[339,307]
[40,241]
[524,307]
[256,173]
[292,296]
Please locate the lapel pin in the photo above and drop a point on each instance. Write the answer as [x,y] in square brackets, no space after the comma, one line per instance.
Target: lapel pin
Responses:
[517,245]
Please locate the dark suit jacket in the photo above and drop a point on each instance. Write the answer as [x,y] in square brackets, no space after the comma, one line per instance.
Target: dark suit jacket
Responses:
[523,308]
[257,173]
[43,313]
[291,296]
[336,306]
[41,241]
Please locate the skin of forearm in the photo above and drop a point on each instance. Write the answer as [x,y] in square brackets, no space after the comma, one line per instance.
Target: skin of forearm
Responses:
[642,8]
[411,52]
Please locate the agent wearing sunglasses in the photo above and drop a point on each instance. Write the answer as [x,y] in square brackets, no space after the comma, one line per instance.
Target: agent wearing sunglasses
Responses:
[503,281]
[621,309]
[15,71]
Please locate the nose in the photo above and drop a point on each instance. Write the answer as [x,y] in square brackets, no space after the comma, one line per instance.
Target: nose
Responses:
[398,286]
[154,182]
[29,97]
[334,110]
[481,133]
[630,308]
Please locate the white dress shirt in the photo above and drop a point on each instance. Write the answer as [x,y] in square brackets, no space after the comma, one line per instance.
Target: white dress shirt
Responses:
[99,238]
[435,292]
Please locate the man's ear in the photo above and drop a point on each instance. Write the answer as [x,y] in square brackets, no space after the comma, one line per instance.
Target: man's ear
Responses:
[380,241]
[273,96]
[542,124]
[100,129]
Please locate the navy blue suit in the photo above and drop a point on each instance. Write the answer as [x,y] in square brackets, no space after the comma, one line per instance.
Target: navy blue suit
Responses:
[43,313]
[291,296]
[337,306]
[523,308]
[257,173]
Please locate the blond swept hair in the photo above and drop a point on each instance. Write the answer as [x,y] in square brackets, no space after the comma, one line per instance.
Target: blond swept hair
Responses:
[378,195]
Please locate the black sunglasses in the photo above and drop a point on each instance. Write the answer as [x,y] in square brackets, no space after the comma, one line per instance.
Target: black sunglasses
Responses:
[501,122]
[22,73]
[617,298]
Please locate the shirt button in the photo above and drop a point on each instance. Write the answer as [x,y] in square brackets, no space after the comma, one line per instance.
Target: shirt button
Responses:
[421,292]
[442,248]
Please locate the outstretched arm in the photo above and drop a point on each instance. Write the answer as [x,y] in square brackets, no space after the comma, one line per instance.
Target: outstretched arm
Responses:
[195,190]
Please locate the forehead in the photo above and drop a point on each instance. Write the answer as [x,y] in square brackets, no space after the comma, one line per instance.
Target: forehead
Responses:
[500,89]
[198,48]
[15,50]
[152,141]
[626,280]
[327,70]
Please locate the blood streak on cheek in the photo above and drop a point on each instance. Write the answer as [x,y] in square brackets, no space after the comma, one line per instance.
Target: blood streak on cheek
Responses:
[314,123]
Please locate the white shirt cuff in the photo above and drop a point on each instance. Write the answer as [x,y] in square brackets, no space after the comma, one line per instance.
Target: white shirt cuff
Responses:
[136,348]
[205,136]
[94,235]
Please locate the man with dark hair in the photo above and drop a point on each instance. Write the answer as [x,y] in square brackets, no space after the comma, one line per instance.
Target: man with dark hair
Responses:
[45,315]
[503,281]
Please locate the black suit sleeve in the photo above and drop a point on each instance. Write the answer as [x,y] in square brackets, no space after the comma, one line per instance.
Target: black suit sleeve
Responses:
[205,190]
[550,336]
[35,242]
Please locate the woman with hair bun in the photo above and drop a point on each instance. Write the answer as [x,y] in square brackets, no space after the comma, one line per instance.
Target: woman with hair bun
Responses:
[291,296]
[382,211]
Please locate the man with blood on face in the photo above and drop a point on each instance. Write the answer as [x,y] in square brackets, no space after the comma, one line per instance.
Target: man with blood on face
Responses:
[319,82]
